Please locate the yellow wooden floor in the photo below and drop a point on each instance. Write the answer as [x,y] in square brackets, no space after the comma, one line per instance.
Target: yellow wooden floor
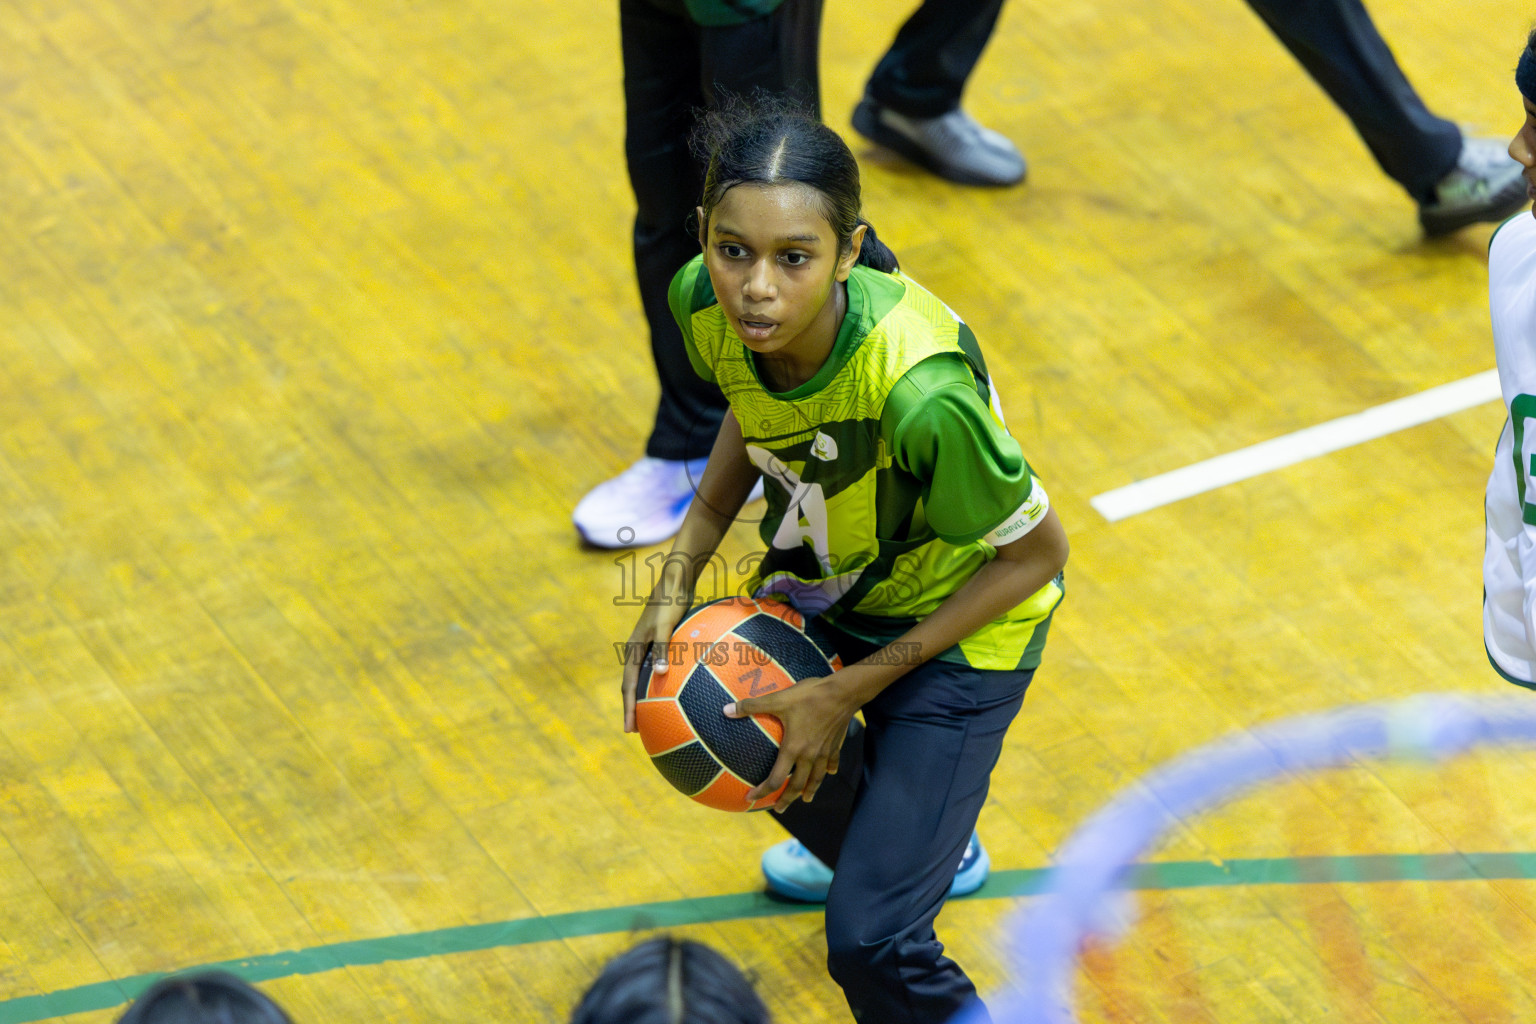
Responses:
[316,319]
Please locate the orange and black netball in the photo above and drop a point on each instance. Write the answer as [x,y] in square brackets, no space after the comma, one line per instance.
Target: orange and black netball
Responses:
[722,652]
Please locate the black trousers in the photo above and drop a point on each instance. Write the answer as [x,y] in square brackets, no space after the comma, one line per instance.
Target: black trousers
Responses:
[894,822]
[673,67]
[1336,41]
[925,70]
[934,52]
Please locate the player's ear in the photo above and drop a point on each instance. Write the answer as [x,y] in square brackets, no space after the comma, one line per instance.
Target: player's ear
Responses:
[698,218]
[848,259]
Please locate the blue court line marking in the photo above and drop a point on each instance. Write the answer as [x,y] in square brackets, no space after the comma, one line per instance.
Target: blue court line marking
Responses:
[1409,867]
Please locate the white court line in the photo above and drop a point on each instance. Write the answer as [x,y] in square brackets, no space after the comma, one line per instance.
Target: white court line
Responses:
[1280,452]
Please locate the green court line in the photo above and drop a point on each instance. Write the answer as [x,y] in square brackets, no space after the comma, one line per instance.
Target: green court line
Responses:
[1408,867]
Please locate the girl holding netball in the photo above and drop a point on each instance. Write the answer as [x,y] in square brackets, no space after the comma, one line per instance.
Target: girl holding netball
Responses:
[901,513]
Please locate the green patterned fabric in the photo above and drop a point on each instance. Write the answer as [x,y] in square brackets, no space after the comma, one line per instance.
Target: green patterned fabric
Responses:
[884,471]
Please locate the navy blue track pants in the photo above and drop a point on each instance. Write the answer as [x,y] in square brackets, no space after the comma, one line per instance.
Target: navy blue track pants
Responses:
[894,822]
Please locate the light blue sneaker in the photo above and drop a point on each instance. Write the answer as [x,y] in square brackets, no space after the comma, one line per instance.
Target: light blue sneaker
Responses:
[796,873]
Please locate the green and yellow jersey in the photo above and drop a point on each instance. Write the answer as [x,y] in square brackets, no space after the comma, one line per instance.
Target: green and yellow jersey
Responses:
[890,476]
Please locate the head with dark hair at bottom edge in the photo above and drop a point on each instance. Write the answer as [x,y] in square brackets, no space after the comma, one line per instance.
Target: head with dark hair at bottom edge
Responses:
[670,981]
[204,997]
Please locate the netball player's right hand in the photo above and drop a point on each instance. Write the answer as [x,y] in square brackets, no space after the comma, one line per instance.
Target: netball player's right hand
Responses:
[666,607]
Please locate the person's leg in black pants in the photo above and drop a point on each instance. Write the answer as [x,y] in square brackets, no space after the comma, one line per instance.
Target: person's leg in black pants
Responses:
[893,823]
[924,72]
[912,101]
[1338,44]
[672,68]
[663,73]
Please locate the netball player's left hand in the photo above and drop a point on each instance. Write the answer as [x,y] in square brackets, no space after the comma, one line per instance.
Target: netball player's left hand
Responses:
[815,713]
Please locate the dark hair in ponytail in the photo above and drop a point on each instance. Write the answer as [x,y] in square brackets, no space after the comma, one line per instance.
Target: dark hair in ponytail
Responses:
[770,140]
[670,981]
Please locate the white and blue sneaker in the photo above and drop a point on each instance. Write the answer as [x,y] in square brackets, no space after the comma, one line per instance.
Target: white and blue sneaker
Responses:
[643,505]
[796,873]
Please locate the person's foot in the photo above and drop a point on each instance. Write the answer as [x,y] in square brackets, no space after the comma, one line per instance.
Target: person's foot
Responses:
[952,145]
[643,505]
[1485,185]
[796,873]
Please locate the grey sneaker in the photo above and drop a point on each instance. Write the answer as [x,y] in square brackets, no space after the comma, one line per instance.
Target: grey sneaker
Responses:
[1485,185]
[953,145]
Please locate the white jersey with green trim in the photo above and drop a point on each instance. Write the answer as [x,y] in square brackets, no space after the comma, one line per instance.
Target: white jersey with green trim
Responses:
[1509,558]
